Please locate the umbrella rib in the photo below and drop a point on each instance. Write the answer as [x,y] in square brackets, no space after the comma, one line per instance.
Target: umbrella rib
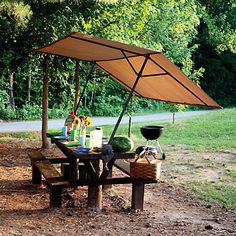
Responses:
[60,55]
[160,74]
[50,44]
[178,81]
[40,50]
[118,79]
[109,46]
[121,58]
[127,59]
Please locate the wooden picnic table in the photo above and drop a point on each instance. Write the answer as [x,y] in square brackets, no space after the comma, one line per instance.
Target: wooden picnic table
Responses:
[94,177]
[97,176]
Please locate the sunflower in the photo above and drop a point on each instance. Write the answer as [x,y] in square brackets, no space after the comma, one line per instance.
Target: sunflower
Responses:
[76,121]
[88,121]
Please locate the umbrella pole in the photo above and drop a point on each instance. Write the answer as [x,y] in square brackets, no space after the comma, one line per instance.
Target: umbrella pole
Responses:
[77,84]
[130,118]
[128,99]
[86,83]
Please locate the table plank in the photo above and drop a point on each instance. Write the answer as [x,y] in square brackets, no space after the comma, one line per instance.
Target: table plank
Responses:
[69,152]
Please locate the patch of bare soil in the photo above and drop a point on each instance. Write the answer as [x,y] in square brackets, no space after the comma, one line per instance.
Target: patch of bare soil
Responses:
[169,208]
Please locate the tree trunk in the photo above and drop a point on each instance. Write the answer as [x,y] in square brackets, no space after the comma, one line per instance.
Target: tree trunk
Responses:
[45,143]
[173,118]
[29,85]
[77,86]
[91,98]
[11,91]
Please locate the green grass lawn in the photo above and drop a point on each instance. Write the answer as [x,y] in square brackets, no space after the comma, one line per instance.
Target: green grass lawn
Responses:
[222,193]
[212,131]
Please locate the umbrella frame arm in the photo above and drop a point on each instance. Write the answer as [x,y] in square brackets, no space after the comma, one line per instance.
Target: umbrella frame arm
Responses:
[127,59]
[85,86]
[139,75]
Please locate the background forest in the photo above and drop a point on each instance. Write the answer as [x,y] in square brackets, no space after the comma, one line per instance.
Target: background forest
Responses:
[198,36]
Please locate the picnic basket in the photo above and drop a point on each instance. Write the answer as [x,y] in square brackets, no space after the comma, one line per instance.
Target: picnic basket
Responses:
[143,168]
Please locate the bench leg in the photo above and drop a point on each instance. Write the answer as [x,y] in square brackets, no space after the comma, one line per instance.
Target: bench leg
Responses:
[36,175]
[137,196]
[55,197]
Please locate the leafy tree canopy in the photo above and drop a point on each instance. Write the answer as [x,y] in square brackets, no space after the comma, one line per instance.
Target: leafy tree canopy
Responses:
[194,34]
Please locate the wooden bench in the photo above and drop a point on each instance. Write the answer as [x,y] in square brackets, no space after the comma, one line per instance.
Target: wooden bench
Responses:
[55,181]
[43,166]
[138,185]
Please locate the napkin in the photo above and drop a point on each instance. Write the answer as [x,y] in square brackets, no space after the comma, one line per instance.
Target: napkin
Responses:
[71,144]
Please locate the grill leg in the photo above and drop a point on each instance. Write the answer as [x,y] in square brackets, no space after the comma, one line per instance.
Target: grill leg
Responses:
[158,145]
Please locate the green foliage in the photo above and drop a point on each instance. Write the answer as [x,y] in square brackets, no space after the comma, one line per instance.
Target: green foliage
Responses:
[19,11]
[6,114]
[219,30]
[165,25]
[57,112]
[173,108]
[108,106]
[220,70]
[29,112]
[217,40]
[4,98]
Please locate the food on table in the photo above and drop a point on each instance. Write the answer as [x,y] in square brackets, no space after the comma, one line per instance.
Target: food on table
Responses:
[122,144]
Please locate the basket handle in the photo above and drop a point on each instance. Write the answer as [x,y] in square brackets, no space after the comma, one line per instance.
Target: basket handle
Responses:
[143,154]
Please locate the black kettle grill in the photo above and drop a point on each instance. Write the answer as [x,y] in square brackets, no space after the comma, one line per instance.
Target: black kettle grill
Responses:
[152,133]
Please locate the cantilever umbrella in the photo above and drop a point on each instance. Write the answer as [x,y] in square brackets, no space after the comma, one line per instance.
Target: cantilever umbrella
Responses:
[145,72]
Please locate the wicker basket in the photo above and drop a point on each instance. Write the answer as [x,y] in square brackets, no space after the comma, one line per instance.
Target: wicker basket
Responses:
[142,168]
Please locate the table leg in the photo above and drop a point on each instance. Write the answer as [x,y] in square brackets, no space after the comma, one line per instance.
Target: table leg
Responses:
[108,186]
[95,191]
[73,171]
[137,196]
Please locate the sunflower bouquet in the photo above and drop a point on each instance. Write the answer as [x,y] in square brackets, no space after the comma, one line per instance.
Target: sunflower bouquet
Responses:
[76,125]
[82,120]
[80,123]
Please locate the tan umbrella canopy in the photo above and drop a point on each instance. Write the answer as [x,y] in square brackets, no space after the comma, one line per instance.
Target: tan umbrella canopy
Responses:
[147,73]
[155,75]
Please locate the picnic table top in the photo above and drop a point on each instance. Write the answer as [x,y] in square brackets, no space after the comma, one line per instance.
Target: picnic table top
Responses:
[74,151]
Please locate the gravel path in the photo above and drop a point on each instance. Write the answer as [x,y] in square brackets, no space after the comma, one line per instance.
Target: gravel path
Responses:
[24,126]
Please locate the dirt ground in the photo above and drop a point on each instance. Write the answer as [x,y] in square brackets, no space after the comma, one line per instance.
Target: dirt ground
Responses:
[170,209]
